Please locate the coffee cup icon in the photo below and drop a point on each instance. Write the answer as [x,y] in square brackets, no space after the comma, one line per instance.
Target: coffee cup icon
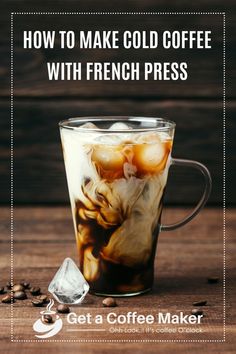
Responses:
[47,330]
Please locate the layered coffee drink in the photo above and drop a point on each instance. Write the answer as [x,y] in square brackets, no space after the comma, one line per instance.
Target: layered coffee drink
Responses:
[116,178]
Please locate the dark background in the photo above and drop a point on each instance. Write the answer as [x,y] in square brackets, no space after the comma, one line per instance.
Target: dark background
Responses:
[195,105]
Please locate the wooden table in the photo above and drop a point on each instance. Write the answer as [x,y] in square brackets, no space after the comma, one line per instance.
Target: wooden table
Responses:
[43,237]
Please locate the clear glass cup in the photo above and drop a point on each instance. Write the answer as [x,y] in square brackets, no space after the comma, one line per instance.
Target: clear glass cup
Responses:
[117,169]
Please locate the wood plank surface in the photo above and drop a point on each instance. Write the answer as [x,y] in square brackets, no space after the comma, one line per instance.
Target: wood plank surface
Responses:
[43,237]
[39,175]
[30,76]
[204,71]
[196,105]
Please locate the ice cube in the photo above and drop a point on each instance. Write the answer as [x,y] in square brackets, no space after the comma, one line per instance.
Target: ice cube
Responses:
[89,125]
[147,138]
[68,285]
[108,139]
[119,126]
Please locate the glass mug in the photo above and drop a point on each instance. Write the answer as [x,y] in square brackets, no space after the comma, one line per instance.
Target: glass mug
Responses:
[117,170]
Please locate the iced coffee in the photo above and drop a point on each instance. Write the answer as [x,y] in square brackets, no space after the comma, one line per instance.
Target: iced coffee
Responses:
[116,178]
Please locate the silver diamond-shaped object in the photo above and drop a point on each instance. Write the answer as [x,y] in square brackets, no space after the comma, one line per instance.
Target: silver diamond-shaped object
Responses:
[69,285]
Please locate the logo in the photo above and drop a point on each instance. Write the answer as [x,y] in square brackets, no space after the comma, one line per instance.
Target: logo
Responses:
[48,330]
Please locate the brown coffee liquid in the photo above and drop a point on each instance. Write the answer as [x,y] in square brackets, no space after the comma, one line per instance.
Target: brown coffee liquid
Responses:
[116,238]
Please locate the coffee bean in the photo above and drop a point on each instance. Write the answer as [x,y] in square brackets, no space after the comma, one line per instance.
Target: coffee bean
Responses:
[62,308]
[2,290]
[37,302]
[8,285]
[35,290]
[213,280]
[44,298]
[47,318]
[109,302]
[25,284]
[200,303]
[18,287]
[197,312]
[6,299]
[20,295]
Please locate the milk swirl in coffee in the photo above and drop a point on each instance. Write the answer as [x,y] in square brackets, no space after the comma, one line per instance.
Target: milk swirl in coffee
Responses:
[116,183]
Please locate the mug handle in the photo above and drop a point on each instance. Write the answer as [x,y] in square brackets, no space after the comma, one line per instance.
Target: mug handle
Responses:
[205,195]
